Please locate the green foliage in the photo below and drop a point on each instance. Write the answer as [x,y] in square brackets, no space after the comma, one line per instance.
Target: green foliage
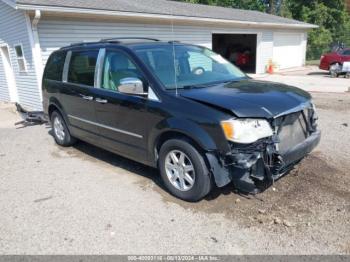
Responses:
[331,17]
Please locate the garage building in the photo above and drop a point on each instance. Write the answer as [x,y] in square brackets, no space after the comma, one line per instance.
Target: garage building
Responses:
[31,29]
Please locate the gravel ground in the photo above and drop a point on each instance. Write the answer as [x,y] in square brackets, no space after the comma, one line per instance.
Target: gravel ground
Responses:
[83,200]
[309,78]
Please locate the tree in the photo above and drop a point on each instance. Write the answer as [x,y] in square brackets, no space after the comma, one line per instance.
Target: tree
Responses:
[331,17]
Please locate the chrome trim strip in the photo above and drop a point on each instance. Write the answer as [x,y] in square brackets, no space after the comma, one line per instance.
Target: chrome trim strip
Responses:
[106,127]
[66,67]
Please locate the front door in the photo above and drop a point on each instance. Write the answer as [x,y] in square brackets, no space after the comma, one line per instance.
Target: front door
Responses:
[77,93]
[122,118]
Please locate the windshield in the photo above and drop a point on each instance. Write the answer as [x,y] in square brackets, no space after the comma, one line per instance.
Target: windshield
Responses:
[187,66]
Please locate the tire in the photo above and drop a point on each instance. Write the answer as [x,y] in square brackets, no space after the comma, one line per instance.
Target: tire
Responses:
[333,70]
[60,130]
[176,178]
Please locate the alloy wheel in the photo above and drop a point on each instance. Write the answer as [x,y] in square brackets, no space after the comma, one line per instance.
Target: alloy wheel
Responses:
[59,128]
[180,170]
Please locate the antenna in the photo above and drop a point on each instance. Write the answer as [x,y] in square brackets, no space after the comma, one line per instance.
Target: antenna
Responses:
[174,53]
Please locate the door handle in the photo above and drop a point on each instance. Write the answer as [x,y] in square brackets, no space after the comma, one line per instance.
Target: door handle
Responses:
[89,98]
[101,101]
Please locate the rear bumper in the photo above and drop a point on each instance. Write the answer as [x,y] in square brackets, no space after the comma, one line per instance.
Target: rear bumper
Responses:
[324,67]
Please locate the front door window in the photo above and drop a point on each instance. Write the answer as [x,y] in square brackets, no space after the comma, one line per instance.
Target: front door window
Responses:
[118,66]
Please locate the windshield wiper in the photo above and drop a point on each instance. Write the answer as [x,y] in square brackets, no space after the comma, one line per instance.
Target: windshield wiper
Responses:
[209,84]
[194,86]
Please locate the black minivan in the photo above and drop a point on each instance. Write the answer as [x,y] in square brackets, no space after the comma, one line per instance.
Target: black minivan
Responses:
[180,108]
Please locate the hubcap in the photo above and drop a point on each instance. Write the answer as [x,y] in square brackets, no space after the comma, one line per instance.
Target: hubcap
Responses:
[179,170]
[58,128]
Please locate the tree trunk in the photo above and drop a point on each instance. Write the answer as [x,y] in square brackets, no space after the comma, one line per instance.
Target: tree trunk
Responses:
[271,7]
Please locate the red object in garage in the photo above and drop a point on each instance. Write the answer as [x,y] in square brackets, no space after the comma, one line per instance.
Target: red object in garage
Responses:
[333,58]
[243,59]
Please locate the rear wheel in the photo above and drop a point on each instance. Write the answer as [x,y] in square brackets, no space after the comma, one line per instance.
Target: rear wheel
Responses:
[183,170]
[334,70]
[60,130]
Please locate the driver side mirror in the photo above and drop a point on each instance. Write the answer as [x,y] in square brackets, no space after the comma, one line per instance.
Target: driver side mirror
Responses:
[132,86]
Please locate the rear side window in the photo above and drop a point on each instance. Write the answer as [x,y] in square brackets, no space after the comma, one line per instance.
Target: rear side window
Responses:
[54,66]
[82,67]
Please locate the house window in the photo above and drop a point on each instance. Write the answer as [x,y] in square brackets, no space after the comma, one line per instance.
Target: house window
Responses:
[20,58]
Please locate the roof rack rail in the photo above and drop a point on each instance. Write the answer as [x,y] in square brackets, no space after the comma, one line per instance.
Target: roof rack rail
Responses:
[114,40]
[119,39]
[82,43]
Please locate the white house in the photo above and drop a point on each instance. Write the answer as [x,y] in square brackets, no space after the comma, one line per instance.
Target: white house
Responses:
[31,29]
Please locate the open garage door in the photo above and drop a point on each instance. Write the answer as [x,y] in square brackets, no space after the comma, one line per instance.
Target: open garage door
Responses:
[288,50]
[240,49]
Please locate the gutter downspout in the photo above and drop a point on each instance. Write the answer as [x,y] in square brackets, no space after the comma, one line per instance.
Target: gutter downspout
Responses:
[35,45]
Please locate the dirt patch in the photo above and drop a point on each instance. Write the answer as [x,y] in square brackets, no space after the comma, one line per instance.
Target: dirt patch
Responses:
[296,200]
[335,102]
[305,212]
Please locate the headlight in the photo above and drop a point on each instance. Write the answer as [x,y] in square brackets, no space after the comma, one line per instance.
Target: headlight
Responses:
[246,131]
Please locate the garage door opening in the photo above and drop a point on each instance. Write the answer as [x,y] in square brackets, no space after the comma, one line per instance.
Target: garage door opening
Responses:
[240,49]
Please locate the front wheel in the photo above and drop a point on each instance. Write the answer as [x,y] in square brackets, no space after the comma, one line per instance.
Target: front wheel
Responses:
[183,170]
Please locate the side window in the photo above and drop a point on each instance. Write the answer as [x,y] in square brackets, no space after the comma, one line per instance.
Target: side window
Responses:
[54,66]
[346,52]
[82,67]
[20,58]
[118,66]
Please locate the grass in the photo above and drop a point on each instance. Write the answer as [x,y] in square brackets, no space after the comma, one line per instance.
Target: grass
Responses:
[313,62]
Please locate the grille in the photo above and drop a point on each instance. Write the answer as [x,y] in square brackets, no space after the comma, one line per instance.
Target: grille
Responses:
[293,130]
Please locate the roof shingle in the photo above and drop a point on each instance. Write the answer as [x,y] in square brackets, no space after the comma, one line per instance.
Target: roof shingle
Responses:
[166,7]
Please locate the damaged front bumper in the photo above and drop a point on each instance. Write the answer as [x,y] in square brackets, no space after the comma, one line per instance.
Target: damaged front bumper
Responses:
[253,172]
[255,167]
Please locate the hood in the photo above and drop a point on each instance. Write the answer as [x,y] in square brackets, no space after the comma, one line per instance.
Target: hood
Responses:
[250,98]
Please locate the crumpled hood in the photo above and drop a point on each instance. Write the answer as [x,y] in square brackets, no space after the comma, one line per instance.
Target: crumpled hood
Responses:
[251,98]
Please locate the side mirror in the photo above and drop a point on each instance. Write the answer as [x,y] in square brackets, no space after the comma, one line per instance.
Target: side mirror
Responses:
[132,86]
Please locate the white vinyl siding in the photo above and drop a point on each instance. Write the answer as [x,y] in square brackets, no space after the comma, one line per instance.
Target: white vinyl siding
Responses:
[57,33]
[288,47]
[265,51]
[288,50]
[4,91]
[303,48]
[13,31]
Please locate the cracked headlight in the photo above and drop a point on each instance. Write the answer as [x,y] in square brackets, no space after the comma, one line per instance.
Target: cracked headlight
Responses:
[246,131]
